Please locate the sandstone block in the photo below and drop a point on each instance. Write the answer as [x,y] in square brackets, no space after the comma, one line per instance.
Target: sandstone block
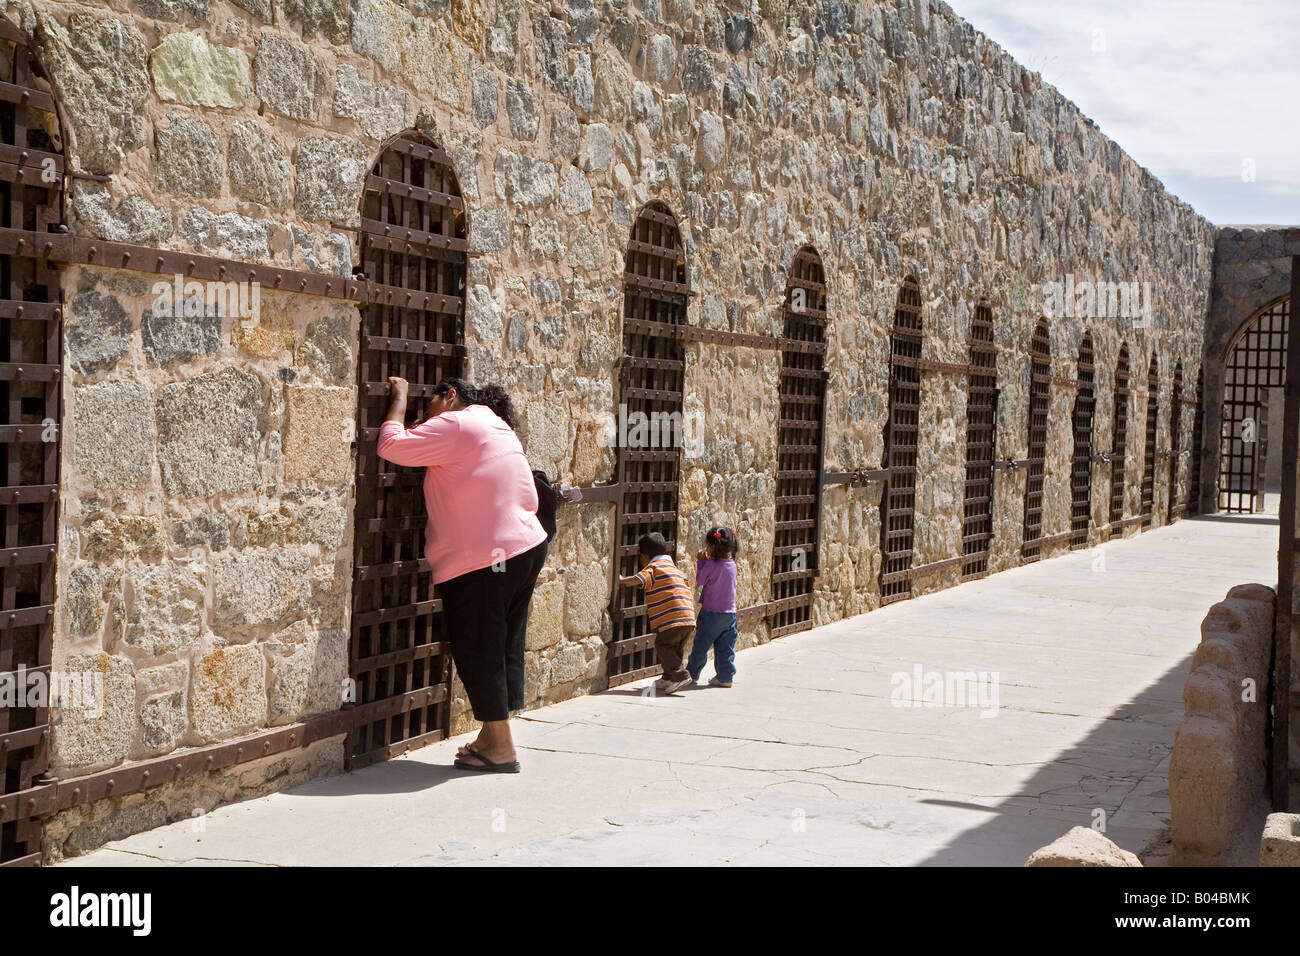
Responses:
[113,433]
[327,19]
[166,608]
[83,600]
[1280,843]
[569,664]
[525,181]
[260,589]
[490,230]
[288,78]
[323,525]
[98,332]
[131,219]
[307,677]
[189,157]
[164,718]
[327,347]
[545,435]
[259,168]
[331,174]
[97,728]
[228,696]
[1082,846]
[209,433]
[381,111]
[546,616]
[98,66]
[319,424]
[109,537]
[188,69]
[586,595]
[205,531]
[180,332]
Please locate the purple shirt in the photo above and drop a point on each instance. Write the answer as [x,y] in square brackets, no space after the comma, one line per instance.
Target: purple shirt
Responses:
[717,581]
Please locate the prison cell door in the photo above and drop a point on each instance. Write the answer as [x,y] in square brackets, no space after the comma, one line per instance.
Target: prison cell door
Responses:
[31,335]
[1256,363]
[1040,381]
[1120,443]
[981,424]
[1081,468]
[413,246]
[1149,453]
[898,501]
[651,377]
[1176,404]
[795,557]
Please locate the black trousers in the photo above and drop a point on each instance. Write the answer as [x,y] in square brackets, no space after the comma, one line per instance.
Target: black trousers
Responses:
[485,615]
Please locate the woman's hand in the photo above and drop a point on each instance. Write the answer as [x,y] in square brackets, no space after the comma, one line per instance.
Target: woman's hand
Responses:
[397,388]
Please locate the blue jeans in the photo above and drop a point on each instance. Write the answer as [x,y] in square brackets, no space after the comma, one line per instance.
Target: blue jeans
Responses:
[717,630]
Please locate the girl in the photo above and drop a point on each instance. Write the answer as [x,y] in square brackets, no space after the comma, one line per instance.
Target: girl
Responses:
[716,627]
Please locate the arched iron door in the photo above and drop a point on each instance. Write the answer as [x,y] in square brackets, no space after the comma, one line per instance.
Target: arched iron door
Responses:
[981,425]
[795,555]
[1081,469]
[1175,444]
[31,335]
[1120,429]
[651,376]
[1040,383]
[414,245]
[1149,459]
[1256,363]
[898,501]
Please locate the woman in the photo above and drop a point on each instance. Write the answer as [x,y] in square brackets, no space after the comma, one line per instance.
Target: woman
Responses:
[483,543]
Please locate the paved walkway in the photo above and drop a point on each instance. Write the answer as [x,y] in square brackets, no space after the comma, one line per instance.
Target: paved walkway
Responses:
[805,760]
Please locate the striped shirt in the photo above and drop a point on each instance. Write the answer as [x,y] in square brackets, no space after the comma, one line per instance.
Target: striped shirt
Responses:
[667,596]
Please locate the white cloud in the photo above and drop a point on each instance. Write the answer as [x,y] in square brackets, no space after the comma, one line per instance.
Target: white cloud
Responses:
[1190,90]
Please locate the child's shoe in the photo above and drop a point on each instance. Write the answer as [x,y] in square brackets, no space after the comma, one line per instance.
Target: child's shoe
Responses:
[714,682]
[664,686]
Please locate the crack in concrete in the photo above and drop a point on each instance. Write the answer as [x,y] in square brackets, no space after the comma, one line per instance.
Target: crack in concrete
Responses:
[191,859]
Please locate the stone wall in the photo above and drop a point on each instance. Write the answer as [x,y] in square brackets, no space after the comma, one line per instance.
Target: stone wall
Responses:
[1218,769]
[207,490]
[206,520]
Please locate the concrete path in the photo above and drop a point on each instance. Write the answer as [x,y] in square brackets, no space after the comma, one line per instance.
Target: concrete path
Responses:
[806,760]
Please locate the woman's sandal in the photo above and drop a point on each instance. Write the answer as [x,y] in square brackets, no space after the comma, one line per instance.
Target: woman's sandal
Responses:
[487,766]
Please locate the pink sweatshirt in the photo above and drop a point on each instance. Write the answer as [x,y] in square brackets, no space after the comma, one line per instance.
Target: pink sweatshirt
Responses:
[478,488]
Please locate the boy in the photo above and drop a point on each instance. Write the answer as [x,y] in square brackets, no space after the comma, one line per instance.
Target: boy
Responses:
[670,607]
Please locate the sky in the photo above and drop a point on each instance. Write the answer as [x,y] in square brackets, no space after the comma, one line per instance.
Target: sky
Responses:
[1206,95]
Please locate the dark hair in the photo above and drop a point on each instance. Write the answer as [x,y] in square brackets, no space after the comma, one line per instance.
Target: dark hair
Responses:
[652,545]
[722,543]
[493,396]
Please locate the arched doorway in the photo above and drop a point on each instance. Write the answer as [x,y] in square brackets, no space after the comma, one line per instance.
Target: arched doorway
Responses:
[651,376]
[901,432]
[1081,467]
[1149,449]
[981,426]
[1198,447]
[1040,383]
[414,246]
[1253,375]
[1175,444]
[1119,443]
[799,452]
[31,338]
